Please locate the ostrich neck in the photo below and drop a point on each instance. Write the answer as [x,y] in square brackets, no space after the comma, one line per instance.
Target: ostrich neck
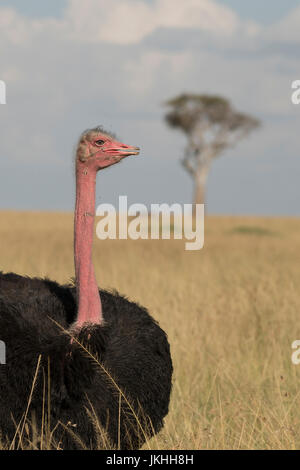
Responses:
[89,302]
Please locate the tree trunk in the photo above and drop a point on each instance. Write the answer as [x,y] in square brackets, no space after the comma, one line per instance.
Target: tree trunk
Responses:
[200,185]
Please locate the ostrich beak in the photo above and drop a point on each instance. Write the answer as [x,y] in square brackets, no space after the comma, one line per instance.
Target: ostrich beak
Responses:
[128,150]
[124,150]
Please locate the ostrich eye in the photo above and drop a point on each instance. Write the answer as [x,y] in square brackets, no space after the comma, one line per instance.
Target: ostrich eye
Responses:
[99,142]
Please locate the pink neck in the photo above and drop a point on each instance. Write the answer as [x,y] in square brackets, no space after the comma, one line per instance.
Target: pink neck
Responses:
[89,302]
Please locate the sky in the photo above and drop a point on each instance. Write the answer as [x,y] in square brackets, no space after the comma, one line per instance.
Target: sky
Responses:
[264,12]
[69,65]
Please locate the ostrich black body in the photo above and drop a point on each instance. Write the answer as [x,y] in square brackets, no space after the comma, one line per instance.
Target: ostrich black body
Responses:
[130,345]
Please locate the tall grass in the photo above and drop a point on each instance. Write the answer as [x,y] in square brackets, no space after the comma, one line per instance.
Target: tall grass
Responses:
[230,310]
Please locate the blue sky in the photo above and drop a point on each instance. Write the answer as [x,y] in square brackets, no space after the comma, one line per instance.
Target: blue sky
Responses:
[37,8]
[264,11]
[72,65]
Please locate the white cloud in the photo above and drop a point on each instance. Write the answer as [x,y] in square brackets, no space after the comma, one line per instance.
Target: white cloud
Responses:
[12,26]
[287,29]
[18,30]
[122,21]
[129,21]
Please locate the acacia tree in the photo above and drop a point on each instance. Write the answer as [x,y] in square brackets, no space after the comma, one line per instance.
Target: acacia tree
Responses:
[211,125]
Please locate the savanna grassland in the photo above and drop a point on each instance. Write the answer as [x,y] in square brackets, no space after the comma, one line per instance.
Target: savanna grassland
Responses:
[231,311]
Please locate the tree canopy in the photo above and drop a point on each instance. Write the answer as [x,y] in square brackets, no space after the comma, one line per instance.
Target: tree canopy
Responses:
[210,123]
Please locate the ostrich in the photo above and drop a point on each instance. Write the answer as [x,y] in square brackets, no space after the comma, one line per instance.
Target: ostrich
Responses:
[80,359]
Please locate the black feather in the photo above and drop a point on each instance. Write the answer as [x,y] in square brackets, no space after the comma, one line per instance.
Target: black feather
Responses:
[35,319]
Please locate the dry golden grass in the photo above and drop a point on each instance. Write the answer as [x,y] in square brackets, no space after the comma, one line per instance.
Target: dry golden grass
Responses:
[230,310]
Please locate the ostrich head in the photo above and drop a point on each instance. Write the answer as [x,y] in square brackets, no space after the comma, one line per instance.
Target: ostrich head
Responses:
[96,150]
